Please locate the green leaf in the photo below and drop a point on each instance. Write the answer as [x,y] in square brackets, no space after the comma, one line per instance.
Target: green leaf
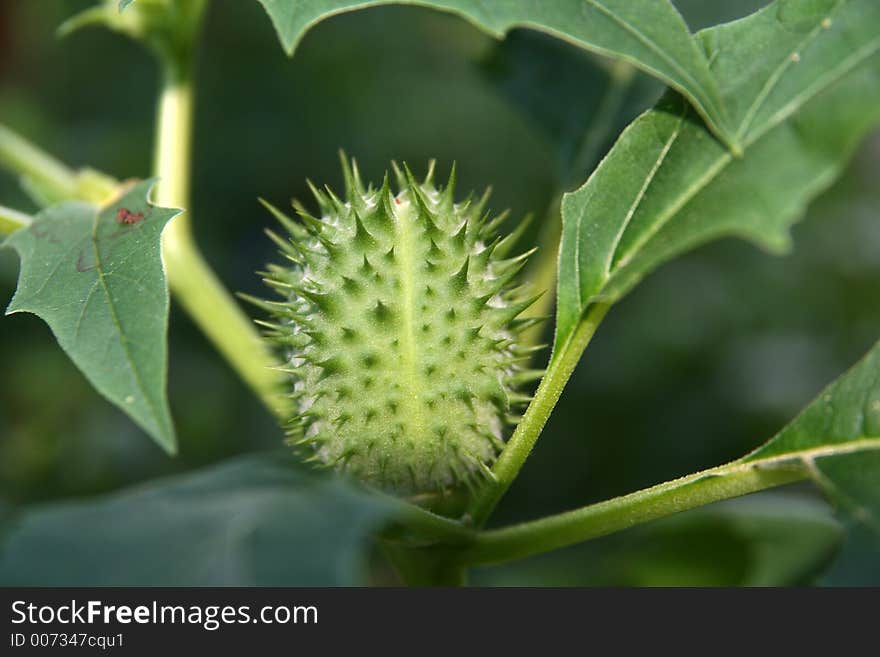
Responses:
[94,275]
[837,440]
[844,419]
[648,33]
[802,78]
[254,521]
[123,5]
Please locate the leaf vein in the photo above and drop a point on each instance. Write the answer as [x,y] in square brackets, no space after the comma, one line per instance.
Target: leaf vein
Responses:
[820,85]
[114,316]
[661,157]
[651,45]
[690,191]
[776,76]
[82,312]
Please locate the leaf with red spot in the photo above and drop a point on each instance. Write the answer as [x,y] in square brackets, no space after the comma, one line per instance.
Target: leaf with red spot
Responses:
[95,276]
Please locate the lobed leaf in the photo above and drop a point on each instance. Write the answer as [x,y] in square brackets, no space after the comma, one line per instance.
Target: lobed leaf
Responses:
[254,521]
[837,439]
[802,79]
[648,33]
[844,419]
[95,276]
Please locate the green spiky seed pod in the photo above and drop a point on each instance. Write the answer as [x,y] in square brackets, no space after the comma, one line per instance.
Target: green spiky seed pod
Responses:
[399,323]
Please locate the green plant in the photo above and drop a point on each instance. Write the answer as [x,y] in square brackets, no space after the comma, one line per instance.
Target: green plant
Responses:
[761,116]
[399,319]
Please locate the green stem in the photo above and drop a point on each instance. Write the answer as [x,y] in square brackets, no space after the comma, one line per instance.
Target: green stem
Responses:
[11,220]
[19,155]
[190,278]
[418,526]
[527,431]
[699,489]
[543,274]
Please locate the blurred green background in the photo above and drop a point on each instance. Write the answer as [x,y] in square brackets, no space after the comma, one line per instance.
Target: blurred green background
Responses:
[703,362]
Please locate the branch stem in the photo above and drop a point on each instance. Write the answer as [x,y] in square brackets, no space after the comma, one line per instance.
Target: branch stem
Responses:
[420,526]
[193,283]
[690,492]
[529,429]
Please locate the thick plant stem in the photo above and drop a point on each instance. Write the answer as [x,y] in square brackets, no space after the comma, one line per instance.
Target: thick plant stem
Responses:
[416,523]
[690,492]
[527,431]
[193,283]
